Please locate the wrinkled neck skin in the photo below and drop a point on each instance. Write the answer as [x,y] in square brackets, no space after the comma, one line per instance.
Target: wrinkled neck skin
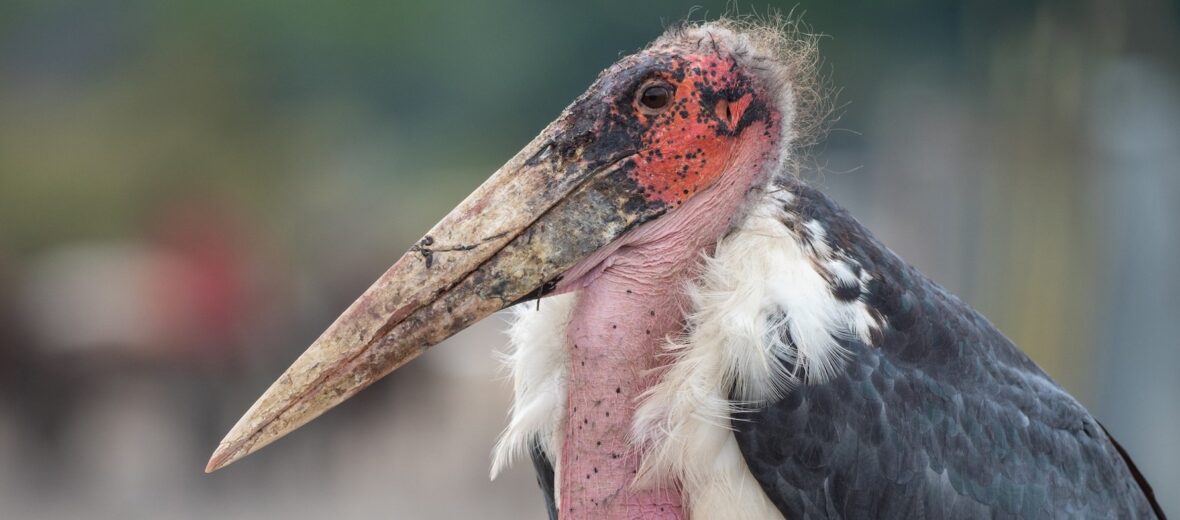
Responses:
[631,301]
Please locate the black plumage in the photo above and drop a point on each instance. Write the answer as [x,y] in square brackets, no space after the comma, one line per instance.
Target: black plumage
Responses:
[941,417]
[545,477]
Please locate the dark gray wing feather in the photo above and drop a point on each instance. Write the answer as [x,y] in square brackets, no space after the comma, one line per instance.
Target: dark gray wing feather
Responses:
[941,417]
[545,478]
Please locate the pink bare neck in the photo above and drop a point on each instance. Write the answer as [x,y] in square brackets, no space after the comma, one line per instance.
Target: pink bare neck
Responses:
[631,302]
[614,337]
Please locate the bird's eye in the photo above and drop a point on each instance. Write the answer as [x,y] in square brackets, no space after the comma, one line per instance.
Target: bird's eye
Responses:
[655,98]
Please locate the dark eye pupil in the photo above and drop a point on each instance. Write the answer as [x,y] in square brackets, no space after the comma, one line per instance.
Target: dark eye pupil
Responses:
[655,97]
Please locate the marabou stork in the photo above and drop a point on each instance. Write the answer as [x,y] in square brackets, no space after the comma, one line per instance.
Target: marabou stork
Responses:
[730,343]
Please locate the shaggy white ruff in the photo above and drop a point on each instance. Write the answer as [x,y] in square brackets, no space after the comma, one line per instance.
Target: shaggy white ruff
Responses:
[536,360]
[764,296]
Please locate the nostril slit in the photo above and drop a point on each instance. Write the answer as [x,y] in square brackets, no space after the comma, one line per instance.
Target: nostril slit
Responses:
[572,149]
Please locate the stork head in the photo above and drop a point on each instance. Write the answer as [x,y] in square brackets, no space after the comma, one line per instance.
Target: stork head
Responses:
[704,113]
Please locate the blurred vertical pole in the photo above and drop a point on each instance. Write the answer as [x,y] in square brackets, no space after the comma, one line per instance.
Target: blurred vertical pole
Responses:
[1135,133]
[1035,264]
[1133,119]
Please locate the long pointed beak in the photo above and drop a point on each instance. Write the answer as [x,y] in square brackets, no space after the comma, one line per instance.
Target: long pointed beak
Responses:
[553,204]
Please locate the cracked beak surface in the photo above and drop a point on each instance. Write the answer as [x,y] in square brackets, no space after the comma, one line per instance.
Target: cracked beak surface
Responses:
[561,198]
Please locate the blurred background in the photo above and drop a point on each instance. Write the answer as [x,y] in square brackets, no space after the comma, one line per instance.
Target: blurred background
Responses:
[190,191]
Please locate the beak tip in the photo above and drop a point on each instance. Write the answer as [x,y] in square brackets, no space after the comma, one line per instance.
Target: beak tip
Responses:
[222,457]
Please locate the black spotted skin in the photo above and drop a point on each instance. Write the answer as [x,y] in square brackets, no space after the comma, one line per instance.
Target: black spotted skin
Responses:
[941,417]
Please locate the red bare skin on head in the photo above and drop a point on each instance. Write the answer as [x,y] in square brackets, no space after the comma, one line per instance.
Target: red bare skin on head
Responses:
[691,142]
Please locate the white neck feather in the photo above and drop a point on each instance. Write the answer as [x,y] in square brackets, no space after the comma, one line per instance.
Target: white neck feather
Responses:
[763,297]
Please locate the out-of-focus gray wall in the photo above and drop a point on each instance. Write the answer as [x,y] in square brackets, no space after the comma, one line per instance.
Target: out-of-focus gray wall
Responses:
[191,191]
